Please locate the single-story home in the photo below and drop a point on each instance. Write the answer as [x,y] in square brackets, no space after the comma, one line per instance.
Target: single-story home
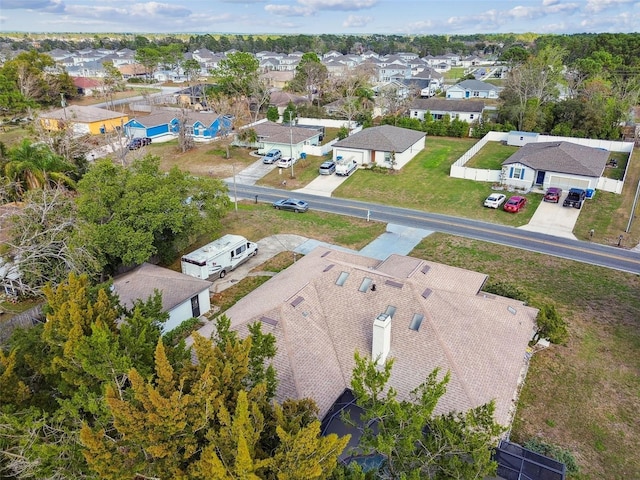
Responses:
[281,100]
[290,140]
[83,120]
[386,145]
[555,164]
[86,86]
[183,296]
[473,89]
[466,110]
[200,126]
[425,315]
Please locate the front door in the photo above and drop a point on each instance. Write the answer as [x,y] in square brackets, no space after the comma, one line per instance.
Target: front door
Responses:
[540,177]
[195,307]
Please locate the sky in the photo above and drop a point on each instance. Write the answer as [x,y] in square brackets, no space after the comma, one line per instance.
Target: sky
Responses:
[320,16]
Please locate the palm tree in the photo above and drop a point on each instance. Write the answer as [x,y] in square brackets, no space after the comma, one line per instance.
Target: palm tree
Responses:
[34,166]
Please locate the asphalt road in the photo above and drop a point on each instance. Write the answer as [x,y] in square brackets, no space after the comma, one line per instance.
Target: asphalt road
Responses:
[586,252]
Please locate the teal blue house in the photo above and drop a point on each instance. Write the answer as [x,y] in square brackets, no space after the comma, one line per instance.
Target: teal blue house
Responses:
[200,126]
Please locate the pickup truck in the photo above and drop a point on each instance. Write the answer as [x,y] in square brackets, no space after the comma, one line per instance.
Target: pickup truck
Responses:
[346,167]
[575,198]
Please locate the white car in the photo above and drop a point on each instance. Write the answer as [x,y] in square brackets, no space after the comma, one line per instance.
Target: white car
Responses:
[286,162]
[495,200]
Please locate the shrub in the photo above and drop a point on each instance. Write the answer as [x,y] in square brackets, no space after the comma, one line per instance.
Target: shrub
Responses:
[551,325]
[555,452]
[509,290]
[182,331]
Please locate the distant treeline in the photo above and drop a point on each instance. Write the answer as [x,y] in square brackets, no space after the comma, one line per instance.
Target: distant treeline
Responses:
[625,45]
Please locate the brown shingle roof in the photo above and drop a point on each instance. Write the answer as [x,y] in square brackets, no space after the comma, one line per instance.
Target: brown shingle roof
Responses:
[319,325]
[141,283]
[561,157]
[385,138]
[79,114]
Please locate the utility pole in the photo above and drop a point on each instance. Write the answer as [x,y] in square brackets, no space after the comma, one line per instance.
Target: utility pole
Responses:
[291,140]
[235,191]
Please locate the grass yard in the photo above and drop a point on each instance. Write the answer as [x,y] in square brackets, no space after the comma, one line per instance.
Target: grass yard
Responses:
[583,396]
[424,184]
[491,156]
[304,171]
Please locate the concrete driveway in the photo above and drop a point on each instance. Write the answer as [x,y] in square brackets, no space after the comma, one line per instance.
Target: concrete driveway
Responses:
[323,185]
[554,219]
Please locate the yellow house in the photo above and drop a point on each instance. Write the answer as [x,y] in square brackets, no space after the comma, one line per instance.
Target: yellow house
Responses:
[83,120]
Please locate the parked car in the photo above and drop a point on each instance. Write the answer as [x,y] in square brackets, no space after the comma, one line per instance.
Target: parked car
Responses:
[575,197]
[298,206]
[286,162]
[139,142]
[553,195]
[515,204]
[495,200]
[272,156]
[327,168]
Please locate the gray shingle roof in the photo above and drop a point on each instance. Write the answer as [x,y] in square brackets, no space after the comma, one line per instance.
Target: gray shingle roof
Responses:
[442,105]
[561,157]
[80,114]
[319,325]
[385,138]
[277,133]
[141,282]
[477,85]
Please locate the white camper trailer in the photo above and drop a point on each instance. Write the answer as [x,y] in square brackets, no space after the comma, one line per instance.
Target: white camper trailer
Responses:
[218,257]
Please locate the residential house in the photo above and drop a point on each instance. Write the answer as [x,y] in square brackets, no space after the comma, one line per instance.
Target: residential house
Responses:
[473,89]
[277,80]
[290,140]
[466,110]
[386,145]
[281,100]
[86,86]
[83,120]
[423,315]
[183,296]
[154,126]
[133,70]
[555,164]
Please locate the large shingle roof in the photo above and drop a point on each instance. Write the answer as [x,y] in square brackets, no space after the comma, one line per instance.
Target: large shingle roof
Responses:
[442,105]
[385,138]
[476,85]
[561,157]
[141,283]
[80,114]
[319,325]
[277,133]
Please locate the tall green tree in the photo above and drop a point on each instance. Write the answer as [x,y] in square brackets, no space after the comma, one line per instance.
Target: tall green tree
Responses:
[35,166]
[310,75]
[415,442]
[133,213]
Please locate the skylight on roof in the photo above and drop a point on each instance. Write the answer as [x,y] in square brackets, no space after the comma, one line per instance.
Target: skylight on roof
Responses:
[366,283]
[297,301]
[391,283]
[342,278]
[426,293]
[416,321]
[269,321]
[391,310]
[328,267]
[425,269]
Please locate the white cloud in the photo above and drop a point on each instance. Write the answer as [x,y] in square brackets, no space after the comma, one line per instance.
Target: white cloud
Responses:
[355,21]
[342,5]
[288,10]
[29,4]
[595,6]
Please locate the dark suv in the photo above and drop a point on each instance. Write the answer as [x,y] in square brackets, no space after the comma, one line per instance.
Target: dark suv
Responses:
[138,142]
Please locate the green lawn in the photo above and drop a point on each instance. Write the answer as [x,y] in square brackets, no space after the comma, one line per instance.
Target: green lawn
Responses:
[425,184]
[491,156]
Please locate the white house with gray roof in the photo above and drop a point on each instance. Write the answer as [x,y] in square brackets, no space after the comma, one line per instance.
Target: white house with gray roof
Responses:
[466,110]
[425,315]
[473,89]
[386,145]
[555,164]
[183,296]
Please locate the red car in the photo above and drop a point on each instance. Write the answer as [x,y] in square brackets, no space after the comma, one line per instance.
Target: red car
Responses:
[553,195]
[515,204]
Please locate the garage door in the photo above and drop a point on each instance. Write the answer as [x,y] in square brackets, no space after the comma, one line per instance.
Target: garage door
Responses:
[567,182]
[357,155]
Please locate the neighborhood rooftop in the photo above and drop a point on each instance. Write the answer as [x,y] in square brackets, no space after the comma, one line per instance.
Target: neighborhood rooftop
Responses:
[319,322]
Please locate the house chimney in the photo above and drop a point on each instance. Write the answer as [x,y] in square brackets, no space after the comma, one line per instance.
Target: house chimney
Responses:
[381,344]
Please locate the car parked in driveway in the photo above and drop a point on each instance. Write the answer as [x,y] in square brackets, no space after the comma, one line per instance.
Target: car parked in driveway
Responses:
[292,204]
[286,162]
[272,156]
[327,168]
[495,200]
[139,142]
[515,204]
[553,195]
